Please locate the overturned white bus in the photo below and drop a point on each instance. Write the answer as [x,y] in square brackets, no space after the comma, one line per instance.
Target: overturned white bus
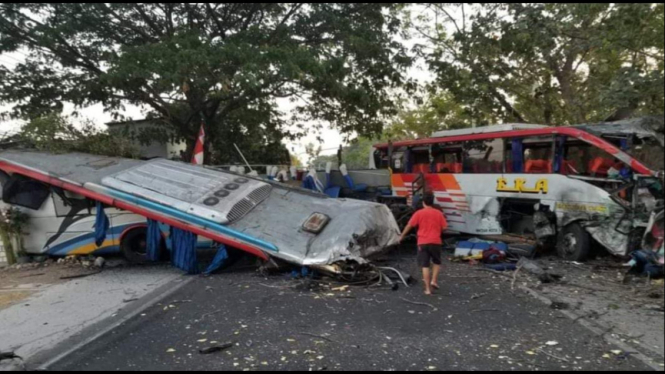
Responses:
[262,218]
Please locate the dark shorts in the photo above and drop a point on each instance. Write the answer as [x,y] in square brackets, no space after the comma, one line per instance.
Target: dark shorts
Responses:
[429,254]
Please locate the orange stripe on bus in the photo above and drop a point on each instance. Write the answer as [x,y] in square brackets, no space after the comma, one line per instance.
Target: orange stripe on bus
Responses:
[449,182]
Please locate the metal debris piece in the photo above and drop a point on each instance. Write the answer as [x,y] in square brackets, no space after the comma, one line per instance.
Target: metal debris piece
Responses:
[215,349]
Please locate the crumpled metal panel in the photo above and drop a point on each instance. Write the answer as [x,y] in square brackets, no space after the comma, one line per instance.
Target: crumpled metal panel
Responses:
[356,231]
[643,127]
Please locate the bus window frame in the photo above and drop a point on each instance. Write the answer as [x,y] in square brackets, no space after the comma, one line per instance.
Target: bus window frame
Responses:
[636,166]
[466,157]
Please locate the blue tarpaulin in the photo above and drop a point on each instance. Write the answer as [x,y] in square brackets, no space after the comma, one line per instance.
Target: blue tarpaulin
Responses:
[154,241]
[183,255]
[102,225]
[218,261]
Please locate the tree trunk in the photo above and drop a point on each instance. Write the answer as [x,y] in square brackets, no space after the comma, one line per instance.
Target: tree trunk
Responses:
[9,248]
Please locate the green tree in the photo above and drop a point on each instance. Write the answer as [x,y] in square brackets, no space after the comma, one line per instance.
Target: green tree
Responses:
[549,62]
[440,112]
[54,133]
[224,63]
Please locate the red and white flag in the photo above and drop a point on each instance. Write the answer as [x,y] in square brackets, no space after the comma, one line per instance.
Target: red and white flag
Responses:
[197,158]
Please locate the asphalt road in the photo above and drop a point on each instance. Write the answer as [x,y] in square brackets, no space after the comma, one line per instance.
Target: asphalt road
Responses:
[474,323]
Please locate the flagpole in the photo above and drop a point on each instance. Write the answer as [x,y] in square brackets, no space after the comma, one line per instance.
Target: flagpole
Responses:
[243,157]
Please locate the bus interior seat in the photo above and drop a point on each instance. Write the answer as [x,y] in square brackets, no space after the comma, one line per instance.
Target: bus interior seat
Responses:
[567,168]
[421,169]
[450,167]
[600,166]
[538,167]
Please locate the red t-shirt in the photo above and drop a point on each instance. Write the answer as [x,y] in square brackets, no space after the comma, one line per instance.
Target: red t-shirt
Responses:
[430,223]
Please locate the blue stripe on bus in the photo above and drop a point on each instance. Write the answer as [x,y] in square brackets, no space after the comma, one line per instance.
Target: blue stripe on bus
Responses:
[85,239]
[193,220]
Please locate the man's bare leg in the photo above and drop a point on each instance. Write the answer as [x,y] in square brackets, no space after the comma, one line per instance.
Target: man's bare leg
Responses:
[427,279]
[436,269]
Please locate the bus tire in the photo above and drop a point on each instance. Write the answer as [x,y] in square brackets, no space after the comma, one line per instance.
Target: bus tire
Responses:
[574,243]
[134,245]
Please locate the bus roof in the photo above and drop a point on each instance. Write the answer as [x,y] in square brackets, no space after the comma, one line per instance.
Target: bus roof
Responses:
[487,129]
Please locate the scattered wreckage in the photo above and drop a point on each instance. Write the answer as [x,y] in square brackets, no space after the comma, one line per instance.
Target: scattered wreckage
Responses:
[563,185]
[263,218]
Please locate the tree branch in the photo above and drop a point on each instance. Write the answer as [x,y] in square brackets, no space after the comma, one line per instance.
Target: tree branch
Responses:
[148,21]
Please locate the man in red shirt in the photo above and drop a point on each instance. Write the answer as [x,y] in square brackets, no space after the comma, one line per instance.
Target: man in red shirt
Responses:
[430,223]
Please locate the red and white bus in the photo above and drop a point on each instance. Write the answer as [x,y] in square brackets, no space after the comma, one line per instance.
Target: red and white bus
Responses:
[567,185]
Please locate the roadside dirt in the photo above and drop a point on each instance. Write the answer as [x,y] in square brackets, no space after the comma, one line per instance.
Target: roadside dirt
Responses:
[631,312]
[8,298]
[19,282]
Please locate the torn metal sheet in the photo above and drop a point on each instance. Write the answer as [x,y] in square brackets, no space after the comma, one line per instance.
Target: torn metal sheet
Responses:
[644,127]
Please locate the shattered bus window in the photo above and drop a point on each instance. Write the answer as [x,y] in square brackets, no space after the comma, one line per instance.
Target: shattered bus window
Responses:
[538,155]
[448,158]
[485,156]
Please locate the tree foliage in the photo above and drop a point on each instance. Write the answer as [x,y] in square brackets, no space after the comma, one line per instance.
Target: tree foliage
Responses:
[224,63]
[54,133]
[440,112]
[549,63]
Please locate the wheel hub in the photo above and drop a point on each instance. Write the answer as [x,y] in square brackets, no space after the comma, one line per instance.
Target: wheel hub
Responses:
[570,243]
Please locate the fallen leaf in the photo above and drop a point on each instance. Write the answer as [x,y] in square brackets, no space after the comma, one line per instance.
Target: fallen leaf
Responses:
[616,353]
[531,353]
[552,344]
[494,346]
[170,350]
[291,340]
[606,356]
[202,340]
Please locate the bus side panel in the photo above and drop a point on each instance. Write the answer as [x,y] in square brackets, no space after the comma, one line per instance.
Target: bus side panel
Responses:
[472,202]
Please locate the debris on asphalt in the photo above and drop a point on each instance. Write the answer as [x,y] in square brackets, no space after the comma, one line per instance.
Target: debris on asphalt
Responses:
[9,356]
[560,306]
[79,276]
[533,268]
[215,349]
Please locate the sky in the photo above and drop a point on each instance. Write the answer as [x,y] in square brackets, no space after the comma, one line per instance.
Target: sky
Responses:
[332,138]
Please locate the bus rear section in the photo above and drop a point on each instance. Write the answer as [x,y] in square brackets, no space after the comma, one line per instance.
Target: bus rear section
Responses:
[567,187]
